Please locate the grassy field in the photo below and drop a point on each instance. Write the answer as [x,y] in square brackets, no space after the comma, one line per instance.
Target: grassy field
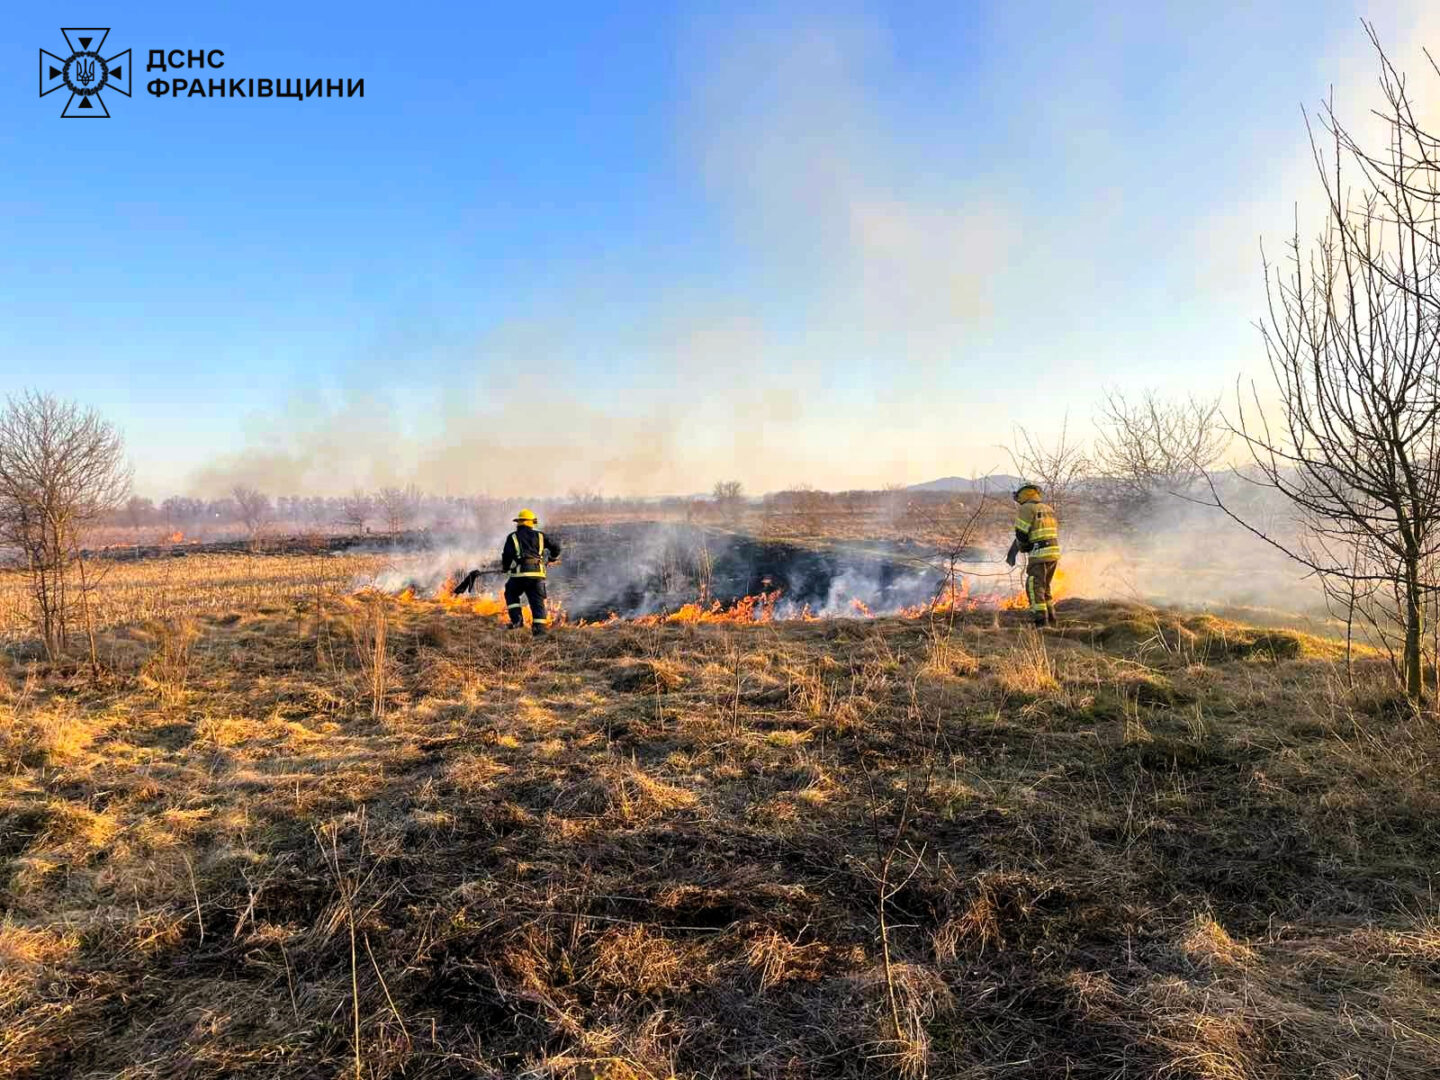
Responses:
[384,839]
[125,593]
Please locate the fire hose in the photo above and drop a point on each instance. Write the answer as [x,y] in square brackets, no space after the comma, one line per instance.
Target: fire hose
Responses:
[467,583]
[1010,573]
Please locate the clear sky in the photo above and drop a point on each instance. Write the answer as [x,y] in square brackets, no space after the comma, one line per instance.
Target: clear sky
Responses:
[637,247]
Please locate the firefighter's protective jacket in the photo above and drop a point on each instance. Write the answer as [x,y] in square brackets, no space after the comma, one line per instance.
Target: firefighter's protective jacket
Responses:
[1036,530]
[527,552]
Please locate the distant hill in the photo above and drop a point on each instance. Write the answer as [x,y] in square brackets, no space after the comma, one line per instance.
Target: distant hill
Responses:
[996,482]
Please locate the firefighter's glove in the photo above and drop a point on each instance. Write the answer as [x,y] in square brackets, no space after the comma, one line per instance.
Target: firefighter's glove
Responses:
[1013,553]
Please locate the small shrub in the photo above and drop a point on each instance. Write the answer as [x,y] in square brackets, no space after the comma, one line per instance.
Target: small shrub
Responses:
[168,669]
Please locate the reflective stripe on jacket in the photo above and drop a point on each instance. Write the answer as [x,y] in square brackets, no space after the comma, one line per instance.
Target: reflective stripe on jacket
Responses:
[1038,531]
[525,554]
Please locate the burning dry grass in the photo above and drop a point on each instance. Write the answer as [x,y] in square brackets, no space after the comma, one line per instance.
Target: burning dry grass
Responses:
[1149,845]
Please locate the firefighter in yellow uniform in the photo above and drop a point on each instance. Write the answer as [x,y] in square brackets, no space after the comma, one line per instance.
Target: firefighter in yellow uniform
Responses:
[524,557]
[1037,533]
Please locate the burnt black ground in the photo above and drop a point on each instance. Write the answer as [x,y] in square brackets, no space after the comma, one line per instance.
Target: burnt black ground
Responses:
[641,568]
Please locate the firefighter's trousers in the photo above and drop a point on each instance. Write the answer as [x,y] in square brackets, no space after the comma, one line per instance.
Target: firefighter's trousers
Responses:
[1038,576]
[517,591]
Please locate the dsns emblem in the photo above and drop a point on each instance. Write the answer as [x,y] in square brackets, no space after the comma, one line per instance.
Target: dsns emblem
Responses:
[85,74]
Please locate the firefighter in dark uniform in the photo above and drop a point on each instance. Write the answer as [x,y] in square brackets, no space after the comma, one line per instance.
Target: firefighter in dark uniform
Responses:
[1037,533]
[524,557]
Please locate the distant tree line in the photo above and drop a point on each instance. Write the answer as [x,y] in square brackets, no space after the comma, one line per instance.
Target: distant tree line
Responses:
[247,509]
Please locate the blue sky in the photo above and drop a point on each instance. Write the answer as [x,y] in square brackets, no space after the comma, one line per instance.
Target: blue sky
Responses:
[638,247]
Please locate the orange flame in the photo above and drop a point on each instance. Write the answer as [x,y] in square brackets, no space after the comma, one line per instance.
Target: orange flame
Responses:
[758,608]
[951,598]
[958,598]
[477,604]
[444,596]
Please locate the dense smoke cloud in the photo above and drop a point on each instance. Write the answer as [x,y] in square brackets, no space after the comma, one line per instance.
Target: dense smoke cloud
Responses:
[1191,555]
[887,270]
[649,568]
[882,281]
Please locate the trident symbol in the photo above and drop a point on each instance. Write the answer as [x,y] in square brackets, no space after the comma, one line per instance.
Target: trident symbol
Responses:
[85,71]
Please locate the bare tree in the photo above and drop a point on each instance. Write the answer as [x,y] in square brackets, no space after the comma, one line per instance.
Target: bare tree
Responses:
[138,512]
[950,529]
[62,470]
[1156,446]
[1403,174]
[253,508]
[1058,466]
[398,507]
[181,512]
[1353,340]
[356,510]
[728,498]
[316,513]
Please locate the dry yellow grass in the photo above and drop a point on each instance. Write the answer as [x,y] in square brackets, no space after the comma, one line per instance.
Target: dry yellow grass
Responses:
[1151,845]
[160,589]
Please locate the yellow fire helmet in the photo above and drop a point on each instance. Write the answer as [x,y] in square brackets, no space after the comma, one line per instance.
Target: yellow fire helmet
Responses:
[526,517]
[1023,488]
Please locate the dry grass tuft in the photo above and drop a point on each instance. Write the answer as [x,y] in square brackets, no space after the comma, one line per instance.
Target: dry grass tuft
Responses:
[775,960]
[646,676]
[946,655]
[25,947]
[627,793]
[573,1067]
[638,960]
[1208,944]
[999,903]
[923,996]
[1027,669]
[54,735]
[1198,1035]
[76,829]
[369,629]
[168,669]
[474,773]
